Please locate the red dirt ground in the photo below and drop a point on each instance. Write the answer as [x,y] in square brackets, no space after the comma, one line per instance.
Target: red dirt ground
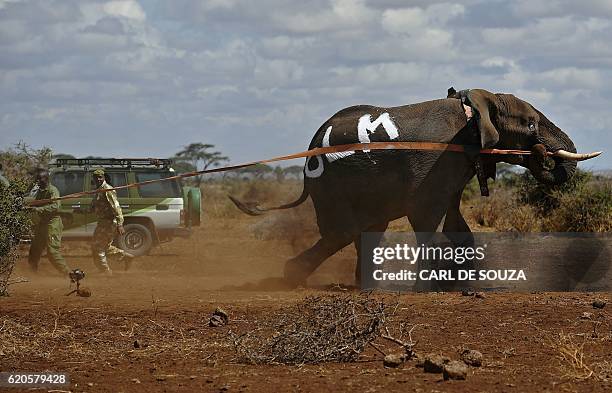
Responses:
[165,301]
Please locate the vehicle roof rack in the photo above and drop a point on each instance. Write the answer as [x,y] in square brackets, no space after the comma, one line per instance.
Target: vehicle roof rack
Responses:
[115,162]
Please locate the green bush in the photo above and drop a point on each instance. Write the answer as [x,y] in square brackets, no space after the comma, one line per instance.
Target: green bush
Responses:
[519,202]
[19,163]
[546,197]
[587,209]
[14,224]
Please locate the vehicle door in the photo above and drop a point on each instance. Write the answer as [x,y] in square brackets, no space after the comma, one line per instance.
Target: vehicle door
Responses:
[160,201]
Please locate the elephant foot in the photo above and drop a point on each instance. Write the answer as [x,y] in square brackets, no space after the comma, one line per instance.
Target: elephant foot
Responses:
[296,273]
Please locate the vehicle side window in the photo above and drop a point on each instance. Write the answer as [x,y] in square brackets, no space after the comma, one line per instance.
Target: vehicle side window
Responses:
[163,189]
[68,182]
[117,179]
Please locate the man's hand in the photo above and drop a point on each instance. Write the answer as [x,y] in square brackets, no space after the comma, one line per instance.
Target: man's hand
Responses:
[121,230]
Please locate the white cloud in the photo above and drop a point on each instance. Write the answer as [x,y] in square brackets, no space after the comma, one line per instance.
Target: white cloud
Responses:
[405,20]
[343,14]
[572,77]
[125,8]
[414,19]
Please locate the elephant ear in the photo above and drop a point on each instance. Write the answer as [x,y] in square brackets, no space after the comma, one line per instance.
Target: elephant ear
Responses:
[483,102]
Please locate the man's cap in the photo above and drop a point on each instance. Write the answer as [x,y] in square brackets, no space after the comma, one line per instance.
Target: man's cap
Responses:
[99,172]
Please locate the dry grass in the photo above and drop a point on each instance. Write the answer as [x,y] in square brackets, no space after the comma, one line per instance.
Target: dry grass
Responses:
[603,370]
[575,362]
[582,205]
[296,226]
[572,362]
[60,334]
[495,211]
[216,204]
[37,341]
[320,329]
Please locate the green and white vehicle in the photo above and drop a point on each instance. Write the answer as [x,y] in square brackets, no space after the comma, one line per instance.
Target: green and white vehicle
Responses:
[153,213]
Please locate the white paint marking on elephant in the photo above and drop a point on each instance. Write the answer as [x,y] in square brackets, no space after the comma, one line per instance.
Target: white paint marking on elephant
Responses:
[366,126]
[318,171]
[331,157]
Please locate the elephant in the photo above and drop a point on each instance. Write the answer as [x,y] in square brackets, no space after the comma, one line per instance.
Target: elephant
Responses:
[362,191]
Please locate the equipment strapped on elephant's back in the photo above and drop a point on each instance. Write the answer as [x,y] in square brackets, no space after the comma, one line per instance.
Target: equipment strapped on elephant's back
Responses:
[469,114]
[392,145]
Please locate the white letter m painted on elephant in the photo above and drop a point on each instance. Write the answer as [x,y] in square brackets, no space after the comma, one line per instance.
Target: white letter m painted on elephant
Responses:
[366,126]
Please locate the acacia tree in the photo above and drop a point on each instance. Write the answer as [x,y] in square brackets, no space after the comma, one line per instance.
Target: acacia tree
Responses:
[200,157]
[295,171]
[258,171]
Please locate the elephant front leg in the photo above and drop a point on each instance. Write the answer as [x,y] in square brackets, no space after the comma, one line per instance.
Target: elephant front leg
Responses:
[458,232]
[425,218]
[455,227]
[299,268]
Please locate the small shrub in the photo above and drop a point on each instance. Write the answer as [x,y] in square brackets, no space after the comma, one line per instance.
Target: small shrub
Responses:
[494,210]
[589,209]
[315,330]
[14,224]
[523,218]
[518,202]
[546,197]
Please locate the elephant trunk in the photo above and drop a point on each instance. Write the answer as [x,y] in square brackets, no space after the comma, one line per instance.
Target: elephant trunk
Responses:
[554,169]
[562,171]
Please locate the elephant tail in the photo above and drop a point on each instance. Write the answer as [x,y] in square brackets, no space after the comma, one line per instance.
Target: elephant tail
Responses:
[252,209]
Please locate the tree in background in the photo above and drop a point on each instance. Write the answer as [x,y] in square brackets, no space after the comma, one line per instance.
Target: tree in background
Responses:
[294,170]
[200,157]
[258,171]
[183,167]
[20,161]
[63,156]
[279,173]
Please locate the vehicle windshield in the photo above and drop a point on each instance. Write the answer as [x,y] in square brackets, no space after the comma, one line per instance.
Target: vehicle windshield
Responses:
[117,179]
[68,182]
[163,189]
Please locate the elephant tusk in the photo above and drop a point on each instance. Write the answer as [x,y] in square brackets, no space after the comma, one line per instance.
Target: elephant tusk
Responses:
[575,156]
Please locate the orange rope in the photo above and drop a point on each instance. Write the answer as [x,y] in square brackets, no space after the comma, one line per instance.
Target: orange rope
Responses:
[308,153]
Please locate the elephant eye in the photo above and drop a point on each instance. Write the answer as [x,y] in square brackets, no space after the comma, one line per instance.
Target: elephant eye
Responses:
[531,126]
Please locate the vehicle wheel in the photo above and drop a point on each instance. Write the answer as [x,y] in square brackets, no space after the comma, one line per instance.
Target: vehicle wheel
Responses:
[137,239]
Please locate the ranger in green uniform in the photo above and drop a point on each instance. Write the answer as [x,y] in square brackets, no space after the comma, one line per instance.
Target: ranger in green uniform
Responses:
[110,223]
[48,227]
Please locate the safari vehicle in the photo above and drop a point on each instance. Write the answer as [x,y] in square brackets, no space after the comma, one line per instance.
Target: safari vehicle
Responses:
[154,213]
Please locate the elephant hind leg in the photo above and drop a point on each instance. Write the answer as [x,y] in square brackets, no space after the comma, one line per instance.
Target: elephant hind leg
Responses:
[299,268]
[379,231]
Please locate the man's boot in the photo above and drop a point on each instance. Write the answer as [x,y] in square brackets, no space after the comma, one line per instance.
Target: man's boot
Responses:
[103,264]
[127,259]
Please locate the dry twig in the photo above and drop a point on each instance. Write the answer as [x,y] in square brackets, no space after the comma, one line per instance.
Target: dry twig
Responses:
[318,329]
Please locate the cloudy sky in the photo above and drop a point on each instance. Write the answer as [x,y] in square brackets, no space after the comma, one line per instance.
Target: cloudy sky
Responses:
[257,78]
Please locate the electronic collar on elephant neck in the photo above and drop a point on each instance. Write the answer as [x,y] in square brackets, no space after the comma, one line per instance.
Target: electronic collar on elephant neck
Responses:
[474,154]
